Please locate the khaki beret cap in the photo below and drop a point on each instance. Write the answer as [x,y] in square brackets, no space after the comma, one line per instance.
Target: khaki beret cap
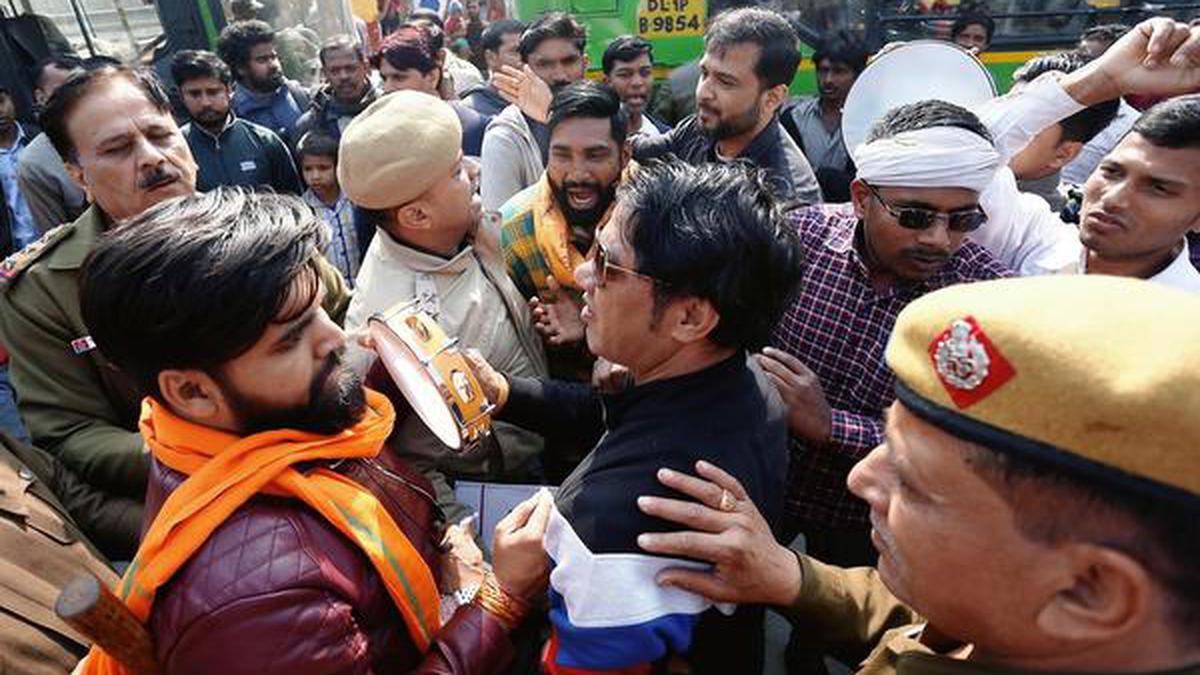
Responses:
[398,148]
[1097,376]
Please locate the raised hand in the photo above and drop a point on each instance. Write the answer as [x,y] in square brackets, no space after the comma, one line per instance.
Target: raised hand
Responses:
[1159,56]
[521,86]
[809,415]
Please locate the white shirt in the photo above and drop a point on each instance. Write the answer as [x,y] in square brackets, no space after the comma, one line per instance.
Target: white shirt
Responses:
[1078,169]
[1021,229]
[647,129]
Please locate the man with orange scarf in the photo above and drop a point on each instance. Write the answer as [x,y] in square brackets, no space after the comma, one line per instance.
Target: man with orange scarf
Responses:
[275,543]
[549,227]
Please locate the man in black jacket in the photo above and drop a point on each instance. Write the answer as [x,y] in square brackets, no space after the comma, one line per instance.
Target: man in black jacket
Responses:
[228,150]
[750,57]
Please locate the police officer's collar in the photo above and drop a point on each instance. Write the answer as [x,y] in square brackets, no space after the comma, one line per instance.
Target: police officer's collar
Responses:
[74,248]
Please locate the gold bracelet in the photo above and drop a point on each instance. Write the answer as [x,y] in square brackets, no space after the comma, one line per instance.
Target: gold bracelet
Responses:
[505,607]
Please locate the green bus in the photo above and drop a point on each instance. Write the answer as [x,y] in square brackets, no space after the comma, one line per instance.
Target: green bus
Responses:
[1023,27]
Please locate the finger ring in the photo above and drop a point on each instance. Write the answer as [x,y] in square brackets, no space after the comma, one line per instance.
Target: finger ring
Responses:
[727,503]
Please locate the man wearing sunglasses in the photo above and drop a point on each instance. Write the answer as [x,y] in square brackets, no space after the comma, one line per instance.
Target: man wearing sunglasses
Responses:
[687,279]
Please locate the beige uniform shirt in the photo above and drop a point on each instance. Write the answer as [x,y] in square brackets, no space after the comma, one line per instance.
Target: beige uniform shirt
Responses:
[476,302]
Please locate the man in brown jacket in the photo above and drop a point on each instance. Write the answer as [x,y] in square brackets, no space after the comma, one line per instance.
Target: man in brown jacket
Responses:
[41,550]
[1035,502]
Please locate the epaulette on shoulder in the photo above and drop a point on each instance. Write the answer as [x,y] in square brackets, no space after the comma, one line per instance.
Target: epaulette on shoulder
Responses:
[15,264]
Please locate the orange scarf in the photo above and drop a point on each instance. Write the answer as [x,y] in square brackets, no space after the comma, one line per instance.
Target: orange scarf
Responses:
[554,237]
[224,471]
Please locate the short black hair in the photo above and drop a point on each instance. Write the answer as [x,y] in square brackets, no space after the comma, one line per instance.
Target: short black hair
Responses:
[925,115]
[1109,32]
[1052,505]
[424,13]
[779,47]
[78,85]
[195,281]
[589,99]
[494,34]
[100,61]
[972,19]
[625,48]
[317,144]
[192,64]
[239,37]
[66,62]
[434,36]
[341,43]
[717,232]
[404,53]
[5,92]
[842,47]
[552,26]
[1173,123]
[1085,124]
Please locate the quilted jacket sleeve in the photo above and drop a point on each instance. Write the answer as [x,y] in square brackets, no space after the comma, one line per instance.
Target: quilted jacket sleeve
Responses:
[324,638]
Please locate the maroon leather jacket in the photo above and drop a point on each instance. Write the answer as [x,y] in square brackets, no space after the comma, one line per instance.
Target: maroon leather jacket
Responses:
[277,589]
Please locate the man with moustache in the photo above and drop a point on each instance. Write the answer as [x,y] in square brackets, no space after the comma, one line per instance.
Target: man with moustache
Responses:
[516,146]
[227,150]
[549,227]
[114,129]
[347,93]
[276,541]
[750,58]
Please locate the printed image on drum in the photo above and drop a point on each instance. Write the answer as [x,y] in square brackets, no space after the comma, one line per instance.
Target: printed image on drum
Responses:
[433,375]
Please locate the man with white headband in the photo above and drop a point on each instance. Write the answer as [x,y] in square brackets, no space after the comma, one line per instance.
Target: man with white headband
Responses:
[920,160]
[904,235]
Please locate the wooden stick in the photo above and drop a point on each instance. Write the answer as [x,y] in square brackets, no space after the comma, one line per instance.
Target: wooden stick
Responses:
[90,608]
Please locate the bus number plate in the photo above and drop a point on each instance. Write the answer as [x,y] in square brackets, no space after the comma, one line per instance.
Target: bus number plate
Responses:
[670,18]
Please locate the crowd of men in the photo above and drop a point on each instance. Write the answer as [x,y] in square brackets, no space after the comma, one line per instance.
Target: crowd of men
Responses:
[956,358]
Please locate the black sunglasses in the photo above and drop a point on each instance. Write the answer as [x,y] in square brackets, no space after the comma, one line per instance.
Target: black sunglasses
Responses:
[916,218]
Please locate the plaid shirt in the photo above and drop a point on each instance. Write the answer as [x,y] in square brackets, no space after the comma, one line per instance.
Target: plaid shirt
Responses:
[839,327]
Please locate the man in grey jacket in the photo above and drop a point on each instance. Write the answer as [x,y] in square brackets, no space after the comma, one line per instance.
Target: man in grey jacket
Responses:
[52,196]
[515,145]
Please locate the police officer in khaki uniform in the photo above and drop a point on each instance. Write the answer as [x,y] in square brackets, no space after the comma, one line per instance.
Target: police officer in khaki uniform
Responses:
[41,550]
[114,129]
[1035,503]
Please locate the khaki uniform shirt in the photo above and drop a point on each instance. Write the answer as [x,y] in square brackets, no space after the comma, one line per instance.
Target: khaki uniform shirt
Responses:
[851,612]
[41,551]
[75,404]
[474,300]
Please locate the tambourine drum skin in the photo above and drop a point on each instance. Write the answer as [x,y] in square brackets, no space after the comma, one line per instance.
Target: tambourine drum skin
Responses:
[912,72]
[434,377]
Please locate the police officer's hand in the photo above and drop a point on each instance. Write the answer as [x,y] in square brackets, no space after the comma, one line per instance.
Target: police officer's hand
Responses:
[609,377]
[1158,56]
[518,559]
[749,566]
[809,416]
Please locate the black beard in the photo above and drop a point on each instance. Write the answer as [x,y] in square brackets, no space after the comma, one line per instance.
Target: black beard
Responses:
[588,217]
[736,126]
[330,409]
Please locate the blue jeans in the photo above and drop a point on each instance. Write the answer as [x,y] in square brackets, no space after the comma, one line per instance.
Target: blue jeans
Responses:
[10,420]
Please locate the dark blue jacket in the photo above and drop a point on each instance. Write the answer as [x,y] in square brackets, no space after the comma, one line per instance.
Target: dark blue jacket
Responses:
[243,154]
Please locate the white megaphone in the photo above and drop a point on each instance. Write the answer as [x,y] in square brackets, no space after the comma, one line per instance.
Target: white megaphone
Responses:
[910,72]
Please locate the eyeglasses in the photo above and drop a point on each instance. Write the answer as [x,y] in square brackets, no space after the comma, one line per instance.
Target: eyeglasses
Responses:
[916,218]
[599,257]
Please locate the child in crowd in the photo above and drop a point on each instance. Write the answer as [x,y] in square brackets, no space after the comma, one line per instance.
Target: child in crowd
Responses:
[317,153]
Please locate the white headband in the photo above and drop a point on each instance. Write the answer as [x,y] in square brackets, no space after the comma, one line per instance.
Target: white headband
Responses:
[936,157]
